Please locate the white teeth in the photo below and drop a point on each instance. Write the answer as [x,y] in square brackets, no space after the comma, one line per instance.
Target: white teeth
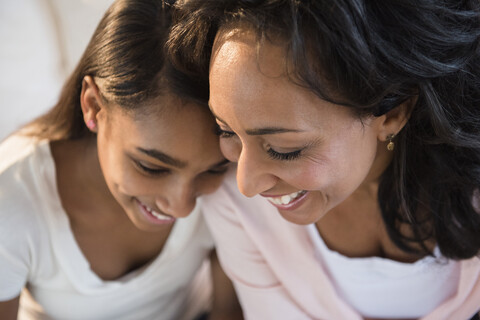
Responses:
[286,199]
[156,214]
[160,216]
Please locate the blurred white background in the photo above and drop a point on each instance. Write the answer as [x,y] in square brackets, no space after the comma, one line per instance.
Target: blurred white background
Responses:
[41,42]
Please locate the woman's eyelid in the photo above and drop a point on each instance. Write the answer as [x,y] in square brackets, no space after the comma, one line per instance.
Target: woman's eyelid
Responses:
[224,128]
[285,147]
[293,145]
[290,153]
[284,150]
[284,155]
[224,133]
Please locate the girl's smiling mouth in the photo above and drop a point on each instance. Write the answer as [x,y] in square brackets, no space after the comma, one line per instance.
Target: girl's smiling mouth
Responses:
[154,216]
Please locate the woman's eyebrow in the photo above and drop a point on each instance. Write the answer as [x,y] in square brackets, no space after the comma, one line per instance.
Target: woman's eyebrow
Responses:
[269,130]
[260,131]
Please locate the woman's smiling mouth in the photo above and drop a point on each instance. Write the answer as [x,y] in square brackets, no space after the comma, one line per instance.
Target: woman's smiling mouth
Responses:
[287,201]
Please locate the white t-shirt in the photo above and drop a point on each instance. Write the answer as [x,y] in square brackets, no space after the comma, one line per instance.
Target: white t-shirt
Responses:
[38,251]
[382,288]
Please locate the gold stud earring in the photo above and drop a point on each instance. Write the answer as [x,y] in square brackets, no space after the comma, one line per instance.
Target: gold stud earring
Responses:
[391,144]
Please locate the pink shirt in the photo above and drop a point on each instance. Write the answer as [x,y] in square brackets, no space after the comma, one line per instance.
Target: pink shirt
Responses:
[276,274]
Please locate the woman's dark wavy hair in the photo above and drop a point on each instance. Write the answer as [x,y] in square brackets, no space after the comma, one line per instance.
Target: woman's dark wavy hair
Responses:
[127,53]
[377,55]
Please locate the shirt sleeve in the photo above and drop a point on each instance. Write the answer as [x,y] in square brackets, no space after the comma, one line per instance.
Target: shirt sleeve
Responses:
[13,274]
[15,238]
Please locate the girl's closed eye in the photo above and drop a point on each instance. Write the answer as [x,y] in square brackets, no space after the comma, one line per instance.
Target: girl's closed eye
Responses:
[218,171]
[150,170]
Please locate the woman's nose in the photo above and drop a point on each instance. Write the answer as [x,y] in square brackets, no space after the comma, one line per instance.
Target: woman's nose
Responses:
[253,173]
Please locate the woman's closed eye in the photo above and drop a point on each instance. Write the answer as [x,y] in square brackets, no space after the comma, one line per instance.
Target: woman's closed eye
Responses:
[286,156]
[224,133]
[275,155]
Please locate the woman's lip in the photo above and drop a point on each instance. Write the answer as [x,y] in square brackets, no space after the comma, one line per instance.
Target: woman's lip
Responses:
[273,195]
[292,205]
[151,218]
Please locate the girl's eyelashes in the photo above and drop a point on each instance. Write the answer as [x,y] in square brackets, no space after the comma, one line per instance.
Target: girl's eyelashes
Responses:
[162,171]
[151,171]
[218,171]
[284,156]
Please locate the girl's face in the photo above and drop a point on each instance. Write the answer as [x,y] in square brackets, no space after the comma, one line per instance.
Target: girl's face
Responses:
[157,163]
[303,154]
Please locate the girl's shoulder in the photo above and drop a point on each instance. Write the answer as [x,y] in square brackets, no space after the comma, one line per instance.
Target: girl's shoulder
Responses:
[26,170]
[15,148]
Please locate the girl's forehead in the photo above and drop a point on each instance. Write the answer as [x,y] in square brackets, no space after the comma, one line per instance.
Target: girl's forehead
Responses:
[153,108]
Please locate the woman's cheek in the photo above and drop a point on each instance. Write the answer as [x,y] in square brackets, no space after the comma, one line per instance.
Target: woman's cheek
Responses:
[310,176]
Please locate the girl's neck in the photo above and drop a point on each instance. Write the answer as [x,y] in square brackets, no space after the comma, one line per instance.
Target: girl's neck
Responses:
[80,180]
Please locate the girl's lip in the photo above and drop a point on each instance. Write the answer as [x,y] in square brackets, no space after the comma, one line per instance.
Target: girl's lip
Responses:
[151,218]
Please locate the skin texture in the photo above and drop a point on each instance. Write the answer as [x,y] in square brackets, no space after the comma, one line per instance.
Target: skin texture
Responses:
[224,307]
[286,139]
[9,309]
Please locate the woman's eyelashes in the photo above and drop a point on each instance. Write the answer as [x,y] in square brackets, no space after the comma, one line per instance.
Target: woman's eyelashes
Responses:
[223,133]
[287,156]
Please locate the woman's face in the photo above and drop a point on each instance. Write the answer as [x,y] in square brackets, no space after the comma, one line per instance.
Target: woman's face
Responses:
[156,163]
[303,154]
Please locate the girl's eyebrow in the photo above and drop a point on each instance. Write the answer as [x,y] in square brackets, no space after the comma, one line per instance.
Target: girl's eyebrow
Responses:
[163,157]
[220,163]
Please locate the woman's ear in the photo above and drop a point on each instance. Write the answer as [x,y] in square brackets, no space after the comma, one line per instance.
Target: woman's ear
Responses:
[91,102]
[394,120]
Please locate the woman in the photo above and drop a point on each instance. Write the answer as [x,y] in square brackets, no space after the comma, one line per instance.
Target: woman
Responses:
[356,129]
[97,197]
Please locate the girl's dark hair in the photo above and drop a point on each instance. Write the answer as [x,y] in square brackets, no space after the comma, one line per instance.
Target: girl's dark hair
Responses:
[127,55]
[376,55]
